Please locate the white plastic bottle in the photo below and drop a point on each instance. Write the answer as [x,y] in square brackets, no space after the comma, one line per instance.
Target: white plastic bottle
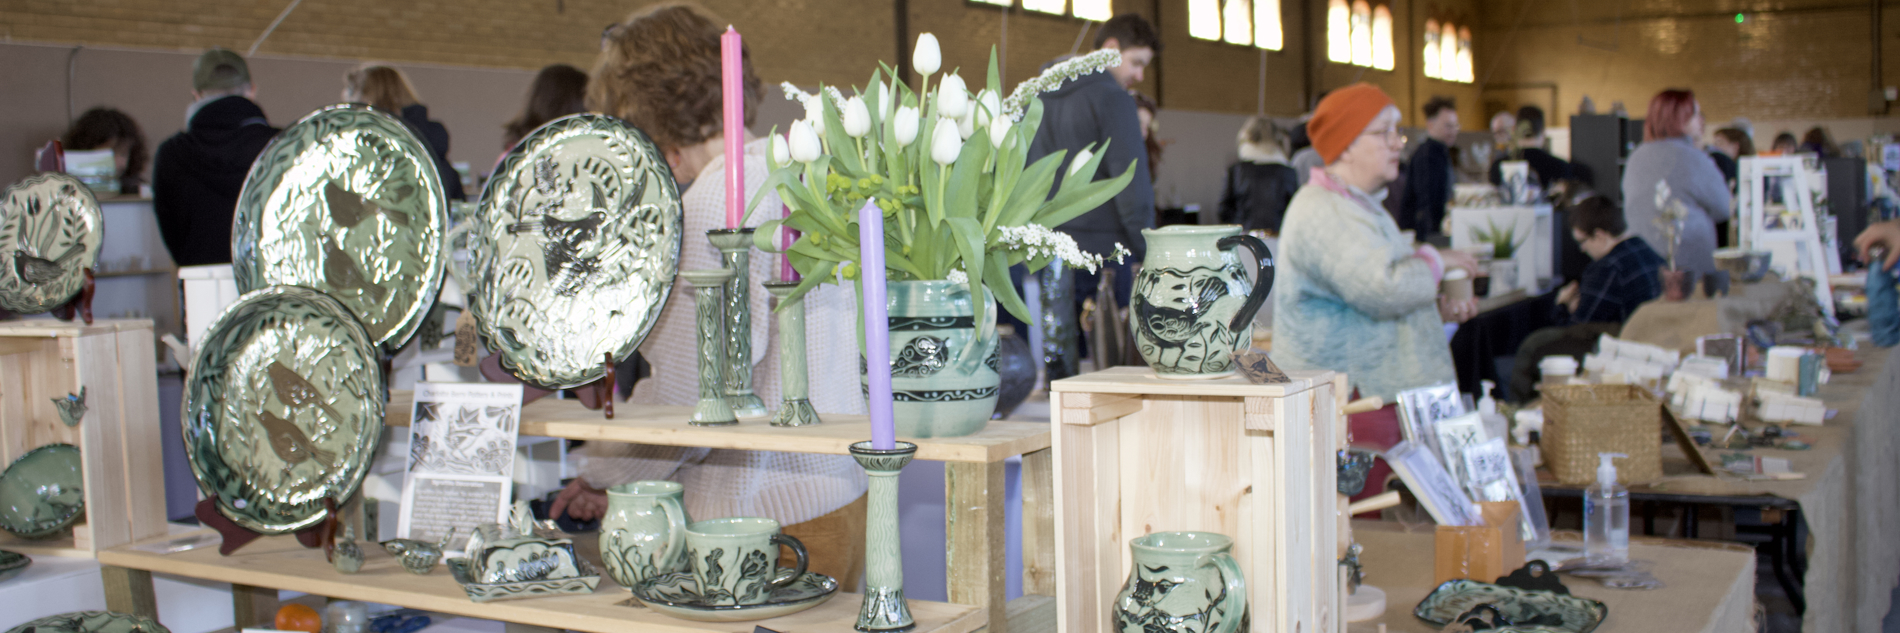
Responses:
[1606,517]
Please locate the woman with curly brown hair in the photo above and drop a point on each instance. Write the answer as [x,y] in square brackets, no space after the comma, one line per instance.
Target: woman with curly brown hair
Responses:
[659,70]
[108,128]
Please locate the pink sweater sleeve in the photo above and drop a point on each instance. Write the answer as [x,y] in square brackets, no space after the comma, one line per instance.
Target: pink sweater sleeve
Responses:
[1430,254]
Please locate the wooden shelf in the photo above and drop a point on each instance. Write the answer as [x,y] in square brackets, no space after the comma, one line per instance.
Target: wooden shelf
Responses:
[279,563]
[667,426]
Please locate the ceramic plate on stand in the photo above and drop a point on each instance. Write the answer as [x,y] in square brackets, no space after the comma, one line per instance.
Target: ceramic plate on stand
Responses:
[677,594]
[346,201]
[91,622]
[574,249]
[42,492]
[283,408]
[50,231]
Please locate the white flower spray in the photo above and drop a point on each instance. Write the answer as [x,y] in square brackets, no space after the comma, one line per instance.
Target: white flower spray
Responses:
[1018,101]
[1039,241]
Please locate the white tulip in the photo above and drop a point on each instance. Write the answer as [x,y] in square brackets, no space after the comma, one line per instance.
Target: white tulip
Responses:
[926,58]
[804,143]
[857,117]
[945,146]
[991,103]
[815,113]
[999,131]
[904,124]
[1080,158]
[966,124]
[884,96]
[781,153]
[952,97]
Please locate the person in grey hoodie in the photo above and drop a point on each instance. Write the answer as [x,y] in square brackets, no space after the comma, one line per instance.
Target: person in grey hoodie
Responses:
[1669,155]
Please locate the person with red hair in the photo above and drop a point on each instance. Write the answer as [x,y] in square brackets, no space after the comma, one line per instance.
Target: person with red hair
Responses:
[1669,156]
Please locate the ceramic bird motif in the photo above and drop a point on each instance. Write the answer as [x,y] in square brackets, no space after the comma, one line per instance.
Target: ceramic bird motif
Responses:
[348,209]
[294,390]
[342,273]
[289,442]
[419,557]
[71,407]
[347,556]
[39,270]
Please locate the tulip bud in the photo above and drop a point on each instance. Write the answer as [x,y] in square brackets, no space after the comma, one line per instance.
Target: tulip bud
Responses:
[999,131]
[945,146]
[952,97]
[966,124]
[991,103]
[884,97]
[781,153]
[804,143]
[857,117]
[904,124]
[815,113]
[1080,158]
[926,57]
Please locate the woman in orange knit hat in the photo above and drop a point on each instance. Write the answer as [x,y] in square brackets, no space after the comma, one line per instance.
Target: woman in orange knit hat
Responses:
[1353,293]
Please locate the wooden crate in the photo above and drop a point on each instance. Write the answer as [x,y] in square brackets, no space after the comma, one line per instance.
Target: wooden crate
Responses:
[118,438]
[1136,454]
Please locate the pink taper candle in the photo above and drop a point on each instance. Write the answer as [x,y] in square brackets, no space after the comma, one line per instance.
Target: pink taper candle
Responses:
[877,326]
[732,89]
[787,236]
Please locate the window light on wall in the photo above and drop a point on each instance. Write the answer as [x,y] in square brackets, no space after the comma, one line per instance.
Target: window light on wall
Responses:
[1243,22]
[1448,52]
[1360,34]
[1096,10]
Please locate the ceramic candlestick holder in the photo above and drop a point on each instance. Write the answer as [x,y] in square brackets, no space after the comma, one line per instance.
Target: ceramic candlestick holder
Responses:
[735,253]
[884,609]
[796,410]
[709,289]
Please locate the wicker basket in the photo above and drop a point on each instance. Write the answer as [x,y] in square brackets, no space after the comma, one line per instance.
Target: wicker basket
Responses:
[1583,420]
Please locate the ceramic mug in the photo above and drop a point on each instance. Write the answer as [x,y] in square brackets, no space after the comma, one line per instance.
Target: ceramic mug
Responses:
[643,534]
[1182,582]
[735,560]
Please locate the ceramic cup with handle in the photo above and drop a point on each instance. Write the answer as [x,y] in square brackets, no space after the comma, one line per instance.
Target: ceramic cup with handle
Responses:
[735,560]
[1192,304]
[644,532]
[1182,582]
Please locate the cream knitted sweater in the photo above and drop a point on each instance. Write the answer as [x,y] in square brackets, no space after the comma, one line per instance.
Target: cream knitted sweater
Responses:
[788,487]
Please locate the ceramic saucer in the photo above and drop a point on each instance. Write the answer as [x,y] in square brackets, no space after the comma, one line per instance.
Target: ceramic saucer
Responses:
[677,594]
[12,563]
[42,492]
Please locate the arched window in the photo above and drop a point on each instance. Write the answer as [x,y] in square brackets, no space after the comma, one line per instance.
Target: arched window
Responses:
[1361,33]
[1266,25]
[1382,55]
[1204,19]
[1338,32]
[1097,10]
[1431,50]
[1465,71]
[1448,52]
[1238,17]
[1057,7]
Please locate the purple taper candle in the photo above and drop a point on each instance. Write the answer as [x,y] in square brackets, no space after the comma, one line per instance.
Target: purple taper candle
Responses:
[877,326]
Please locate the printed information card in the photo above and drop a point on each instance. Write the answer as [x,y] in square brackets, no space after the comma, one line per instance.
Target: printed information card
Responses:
[461,459]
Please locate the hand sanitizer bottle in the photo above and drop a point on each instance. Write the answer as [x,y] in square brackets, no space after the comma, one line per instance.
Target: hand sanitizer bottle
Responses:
[1606,517]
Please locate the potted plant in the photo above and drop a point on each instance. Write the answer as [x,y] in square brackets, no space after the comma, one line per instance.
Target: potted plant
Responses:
[1504,245]
[961,205]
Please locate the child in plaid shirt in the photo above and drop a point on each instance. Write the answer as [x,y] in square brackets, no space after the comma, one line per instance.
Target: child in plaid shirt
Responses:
[1623,275]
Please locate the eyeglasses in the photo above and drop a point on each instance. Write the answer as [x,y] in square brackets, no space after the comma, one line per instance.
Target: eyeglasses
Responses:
[1389,135]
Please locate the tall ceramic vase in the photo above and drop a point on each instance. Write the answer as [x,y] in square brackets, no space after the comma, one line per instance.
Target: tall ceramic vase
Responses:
[943,363]
[644,531]
[795,409]
[884,608]
[709,287]
[1192,305]
[735,253]
[1182,582]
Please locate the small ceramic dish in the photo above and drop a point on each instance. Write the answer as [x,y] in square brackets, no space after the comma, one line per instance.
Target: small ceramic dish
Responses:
[12,563]
[42,492]
[1523,608]
[91,622]
[490,592]
[677,595]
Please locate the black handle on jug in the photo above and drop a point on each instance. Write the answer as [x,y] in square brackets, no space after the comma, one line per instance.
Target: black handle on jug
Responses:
[1263,282]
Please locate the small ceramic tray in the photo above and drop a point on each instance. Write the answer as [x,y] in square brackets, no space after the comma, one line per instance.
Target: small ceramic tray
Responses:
[1523,607]
[484,592]
[91,622]
[12,563]
[42,492]
[677,595]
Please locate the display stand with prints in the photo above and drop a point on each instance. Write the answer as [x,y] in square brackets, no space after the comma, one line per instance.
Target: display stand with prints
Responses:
[1776,205]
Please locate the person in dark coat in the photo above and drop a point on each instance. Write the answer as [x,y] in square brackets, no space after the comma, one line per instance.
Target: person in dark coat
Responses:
[389,89]
[1429,177]
[1547,168]
[1261,183]
[198,173]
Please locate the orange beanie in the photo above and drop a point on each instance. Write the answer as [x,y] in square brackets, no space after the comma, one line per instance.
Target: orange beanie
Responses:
[1342,116]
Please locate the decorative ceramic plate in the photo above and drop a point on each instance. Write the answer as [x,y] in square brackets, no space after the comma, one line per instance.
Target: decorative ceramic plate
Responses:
[50,231]
[42,492]
[12,563]
[677,594]
[283,408]
[1522,607]
[574,249]
[91,622]
[346,201]
[490,592]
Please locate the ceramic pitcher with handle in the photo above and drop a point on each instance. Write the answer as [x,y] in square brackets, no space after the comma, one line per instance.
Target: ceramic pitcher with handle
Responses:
[1182,582]
[1192,306]
[643,534]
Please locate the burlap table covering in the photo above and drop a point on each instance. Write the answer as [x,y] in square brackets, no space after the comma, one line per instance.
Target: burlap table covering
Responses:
[1708,589]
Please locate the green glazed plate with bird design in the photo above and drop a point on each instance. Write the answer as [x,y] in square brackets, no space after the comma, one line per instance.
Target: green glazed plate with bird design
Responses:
[574,249]
[283,408]
[91,622]
[677,594]
[43,492]
[50,231]
[346,201]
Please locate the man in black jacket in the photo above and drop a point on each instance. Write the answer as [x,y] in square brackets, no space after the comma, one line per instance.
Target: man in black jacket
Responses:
[1090,111]
[1429,177]
[197,173]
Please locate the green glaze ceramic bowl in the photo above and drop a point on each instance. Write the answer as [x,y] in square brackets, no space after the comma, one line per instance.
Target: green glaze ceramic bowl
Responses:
[42,492]
[12,563]
[91,622]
